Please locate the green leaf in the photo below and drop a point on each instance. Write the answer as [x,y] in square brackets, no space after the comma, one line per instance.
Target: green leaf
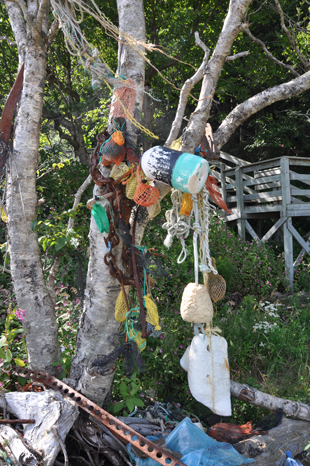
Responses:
[125,414]
[19,362]
[123,389]
[130,404]
[8,356]
[137,401]
[60,243]
[2,353]
[118,406]
[2,341]
[34,225]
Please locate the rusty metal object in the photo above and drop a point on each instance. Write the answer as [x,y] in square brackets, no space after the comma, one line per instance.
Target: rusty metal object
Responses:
[17,421]
[112,423]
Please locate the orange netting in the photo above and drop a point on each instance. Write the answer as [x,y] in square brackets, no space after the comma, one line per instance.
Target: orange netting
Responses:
[114,149]
[125,96]
[214,192]
[145,194]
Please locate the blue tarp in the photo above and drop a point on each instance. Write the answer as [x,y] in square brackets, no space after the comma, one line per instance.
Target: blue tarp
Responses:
[197,448]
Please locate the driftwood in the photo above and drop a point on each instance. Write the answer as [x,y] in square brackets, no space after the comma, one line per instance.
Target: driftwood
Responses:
[50,411]
[15,447]
[269,450]
[255,397]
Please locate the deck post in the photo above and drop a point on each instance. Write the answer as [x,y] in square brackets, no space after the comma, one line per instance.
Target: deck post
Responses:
[240,202]
[287,235]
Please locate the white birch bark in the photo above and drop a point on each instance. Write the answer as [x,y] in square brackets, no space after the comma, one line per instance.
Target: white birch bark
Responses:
[232,26]
[26,267]
[256,103]
[96,335]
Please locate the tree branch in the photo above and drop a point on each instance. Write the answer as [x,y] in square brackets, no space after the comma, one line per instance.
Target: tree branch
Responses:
[256,103]
[238,55]
[9,41]
[40,15]
[269,54]
[185,91]
[53,31]
[291,37]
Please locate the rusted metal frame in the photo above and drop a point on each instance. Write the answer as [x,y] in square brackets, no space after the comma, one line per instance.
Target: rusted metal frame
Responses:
[112,423]
[17,421]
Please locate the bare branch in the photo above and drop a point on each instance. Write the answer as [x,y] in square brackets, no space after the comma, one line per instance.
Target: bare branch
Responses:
[238,55]
[40,15]
[185,91]
[77,198]
[9,41]
[291,37]
[269,54]
[53,31]
[256,103]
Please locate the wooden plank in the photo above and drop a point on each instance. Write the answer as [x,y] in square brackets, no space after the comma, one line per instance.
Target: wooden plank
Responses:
[260,187]
[232,217]
[300,192]
[298,237]
[264,179]
[233,159]
[299,162]
[258,166]
[251,230]
[273,229]
[298,210]
[270,172]
[287,235]
[240,203]
[301,254]
[299,176]
[263,208]
[268,196]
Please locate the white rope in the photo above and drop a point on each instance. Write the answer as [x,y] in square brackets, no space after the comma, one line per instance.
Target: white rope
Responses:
[206,261]
[197,233]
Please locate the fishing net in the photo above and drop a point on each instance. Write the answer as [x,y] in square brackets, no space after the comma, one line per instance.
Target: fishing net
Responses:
[125,99]
[113,150]
[215,284]
[121,307]
[151,328]
[154,266]
[145,194]
[187,205]
[215,194]
[131,186]
[151,312]
[124,233]
[154,210]
[119,170]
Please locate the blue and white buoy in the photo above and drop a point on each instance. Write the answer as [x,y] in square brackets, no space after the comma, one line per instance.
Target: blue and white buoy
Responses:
[183,171]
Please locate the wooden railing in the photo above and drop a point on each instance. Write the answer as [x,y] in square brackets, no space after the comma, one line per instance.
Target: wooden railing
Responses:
[278,188]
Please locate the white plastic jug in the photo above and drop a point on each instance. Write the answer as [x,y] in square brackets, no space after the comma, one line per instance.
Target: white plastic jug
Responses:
[206,362]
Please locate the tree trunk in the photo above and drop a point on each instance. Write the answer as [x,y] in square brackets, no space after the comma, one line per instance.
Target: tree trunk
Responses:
[26,267]
[96,335]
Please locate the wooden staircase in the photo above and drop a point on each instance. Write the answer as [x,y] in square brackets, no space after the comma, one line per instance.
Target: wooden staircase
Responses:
[277,188]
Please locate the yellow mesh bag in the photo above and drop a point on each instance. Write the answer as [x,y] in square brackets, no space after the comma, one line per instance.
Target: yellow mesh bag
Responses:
[131,187]
[135,336]
[154,210]
[120,308]
[216,284]
[151,312]
[118,171]
[176,144]
[118,137]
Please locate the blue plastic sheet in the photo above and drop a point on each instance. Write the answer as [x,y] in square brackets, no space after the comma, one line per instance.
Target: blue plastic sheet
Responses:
[290,461]
[197,448]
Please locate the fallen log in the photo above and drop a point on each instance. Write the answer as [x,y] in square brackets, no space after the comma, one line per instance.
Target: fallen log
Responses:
[15,448]
[269,449]
[255,397]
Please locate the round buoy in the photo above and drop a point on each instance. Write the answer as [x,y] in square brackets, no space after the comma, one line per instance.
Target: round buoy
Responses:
[183,171]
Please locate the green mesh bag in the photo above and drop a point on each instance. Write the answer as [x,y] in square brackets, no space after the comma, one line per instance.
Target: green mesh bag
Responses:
[101,218]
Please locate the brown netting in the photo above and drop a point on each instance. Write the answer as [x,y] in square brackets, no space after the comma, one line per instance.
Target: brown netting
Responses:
[114,149]
[216,284]
[214,192]
[125,97]
[145,194]
[133,155]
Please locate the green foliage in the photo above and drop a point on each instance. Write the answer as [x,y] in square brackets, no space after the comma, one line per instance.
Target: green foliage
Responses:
[126,393]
